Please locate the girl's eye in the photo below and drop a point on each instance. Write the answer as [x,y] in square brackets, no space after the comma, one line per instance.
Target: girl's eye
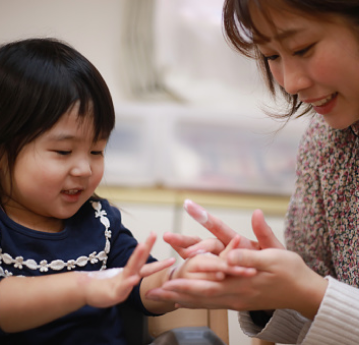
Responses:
[63,153]
[97,153]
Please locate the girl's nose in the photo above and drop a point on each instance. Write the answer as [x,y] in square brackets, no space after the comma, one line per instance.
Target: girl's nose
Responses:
[82,168]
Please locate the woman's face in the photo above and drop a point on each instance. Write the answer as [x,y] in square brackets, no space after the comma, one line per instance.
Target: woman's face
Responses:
[316,59]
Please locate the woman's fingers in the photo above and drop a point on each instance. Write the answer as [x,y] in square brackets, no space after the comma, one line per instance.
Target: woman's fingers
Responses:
[182,244]
[219,229]
[263,232]
[261,260]
[223,232]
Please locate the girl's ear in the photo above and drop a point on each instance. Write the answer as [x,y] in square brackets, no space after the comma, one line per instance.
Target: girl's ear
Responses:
[3,162]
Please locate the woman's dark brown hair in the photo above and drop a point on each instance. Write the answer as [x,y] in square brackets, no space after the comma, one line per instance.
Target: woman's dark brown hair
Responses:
[239,27]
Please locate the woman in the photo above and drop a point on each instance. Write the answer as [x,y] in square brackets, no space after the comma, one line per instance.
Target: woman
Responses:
[307,294]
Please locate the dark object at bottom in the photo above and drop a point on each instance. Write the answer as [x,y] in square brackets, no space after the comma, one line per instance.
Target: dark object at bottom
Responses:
[188,336]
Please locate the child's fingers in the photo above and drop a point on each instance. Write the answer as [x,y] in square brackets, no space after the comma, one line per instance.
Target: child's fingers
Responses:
[206,275]
[241,271]
[234,243]
[139,256]
[154,267]
[179,240]
[205,263]
[136,260]
[150,241]
[210,245]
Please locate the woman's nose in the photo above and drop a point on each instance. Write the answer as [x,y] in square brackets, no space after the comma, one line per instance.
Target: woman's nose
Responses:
[295,78]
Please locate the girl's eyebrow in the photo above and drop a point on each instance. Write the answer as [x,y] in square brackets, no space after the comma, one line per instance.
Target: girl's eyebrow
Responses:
[61,137]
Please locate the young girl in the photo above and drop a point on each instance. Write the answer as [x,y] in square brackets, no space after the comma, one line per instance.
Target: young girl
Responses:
[308,294]
[58,239]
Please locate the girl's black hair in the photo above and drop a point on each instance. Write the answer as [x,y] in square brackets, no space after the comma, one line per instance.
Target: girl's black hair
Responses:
[239,28]
[40,79]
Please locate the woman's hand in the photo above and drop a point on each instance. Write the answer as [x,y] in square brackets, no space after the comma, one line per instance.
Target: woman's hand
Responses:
[187,246]
[106,288]
[282,281]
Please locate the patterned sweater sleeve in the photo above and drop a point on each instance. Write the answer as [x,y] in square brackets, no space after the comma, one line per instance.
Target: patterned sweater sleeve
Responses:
[306,233]
[306,229]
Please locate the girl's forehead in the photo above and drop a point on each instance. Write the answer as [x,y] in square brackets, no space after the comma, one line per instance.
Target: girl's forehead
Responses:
[72,125]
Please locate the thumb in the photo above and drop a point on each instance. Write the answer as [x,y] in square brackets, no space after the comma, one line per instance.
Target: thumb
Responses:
[263,232]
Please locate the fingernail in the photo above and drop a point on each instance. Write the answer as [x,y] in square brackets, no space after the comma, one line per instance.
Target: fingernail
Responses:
[195,211]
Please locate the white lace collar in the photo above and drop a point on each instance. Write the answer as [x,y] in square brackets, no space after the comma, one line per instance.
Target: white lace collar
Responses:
[59,264]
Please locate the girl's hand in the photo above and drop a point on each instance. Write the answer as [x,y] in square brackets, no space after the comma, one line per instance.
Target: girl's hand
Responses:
[187,246]
[106,288]
[22,309]
[208,266]
[282,281]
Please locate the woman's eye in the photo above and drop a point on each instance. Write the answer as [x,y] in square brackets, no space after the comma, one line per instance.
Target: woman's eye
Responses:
[270,57]
[302,52]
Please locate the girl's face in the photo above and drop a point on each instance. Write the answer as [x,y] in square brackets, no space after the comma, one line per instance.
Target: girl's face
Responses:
[56,173]
[316,59]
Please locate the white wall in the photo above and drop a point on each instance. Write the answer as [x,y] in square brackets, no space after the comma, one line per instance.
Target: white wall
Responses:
[91,26]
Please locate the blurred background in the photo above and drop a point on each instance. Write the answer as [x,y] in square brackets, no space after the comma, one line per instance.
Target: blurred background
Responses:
[190,118]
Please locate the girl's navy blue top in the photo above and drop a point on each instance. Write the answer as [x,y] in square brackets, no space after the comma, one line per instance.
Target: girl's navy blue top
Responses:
[93,239]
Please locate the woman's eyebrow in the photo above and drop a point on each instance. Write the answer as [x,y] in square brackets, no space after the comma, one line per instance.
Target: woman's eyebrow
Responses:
[280,36]
[283,35]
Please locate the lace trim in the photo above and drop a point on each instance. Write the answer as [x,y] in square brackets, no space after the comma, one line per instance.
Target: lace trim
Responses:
[58,265]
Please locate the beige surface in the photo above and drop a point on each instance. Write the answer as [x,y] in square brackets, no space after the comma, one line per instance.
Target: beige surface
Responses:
[261,342]
[218,322]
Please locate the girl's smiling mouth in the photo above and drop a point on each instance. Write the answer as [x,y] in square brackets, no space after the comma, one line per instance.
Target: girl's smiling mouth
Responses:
[71,195]
[71,191]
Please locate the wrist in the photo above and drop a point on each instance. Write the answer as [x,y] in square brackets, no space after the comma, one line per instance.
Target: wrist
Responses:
[171,272]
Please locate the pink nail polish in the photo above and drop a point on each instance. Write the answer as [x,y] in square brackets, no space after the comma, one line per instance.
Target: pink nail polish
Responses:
[195,211]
